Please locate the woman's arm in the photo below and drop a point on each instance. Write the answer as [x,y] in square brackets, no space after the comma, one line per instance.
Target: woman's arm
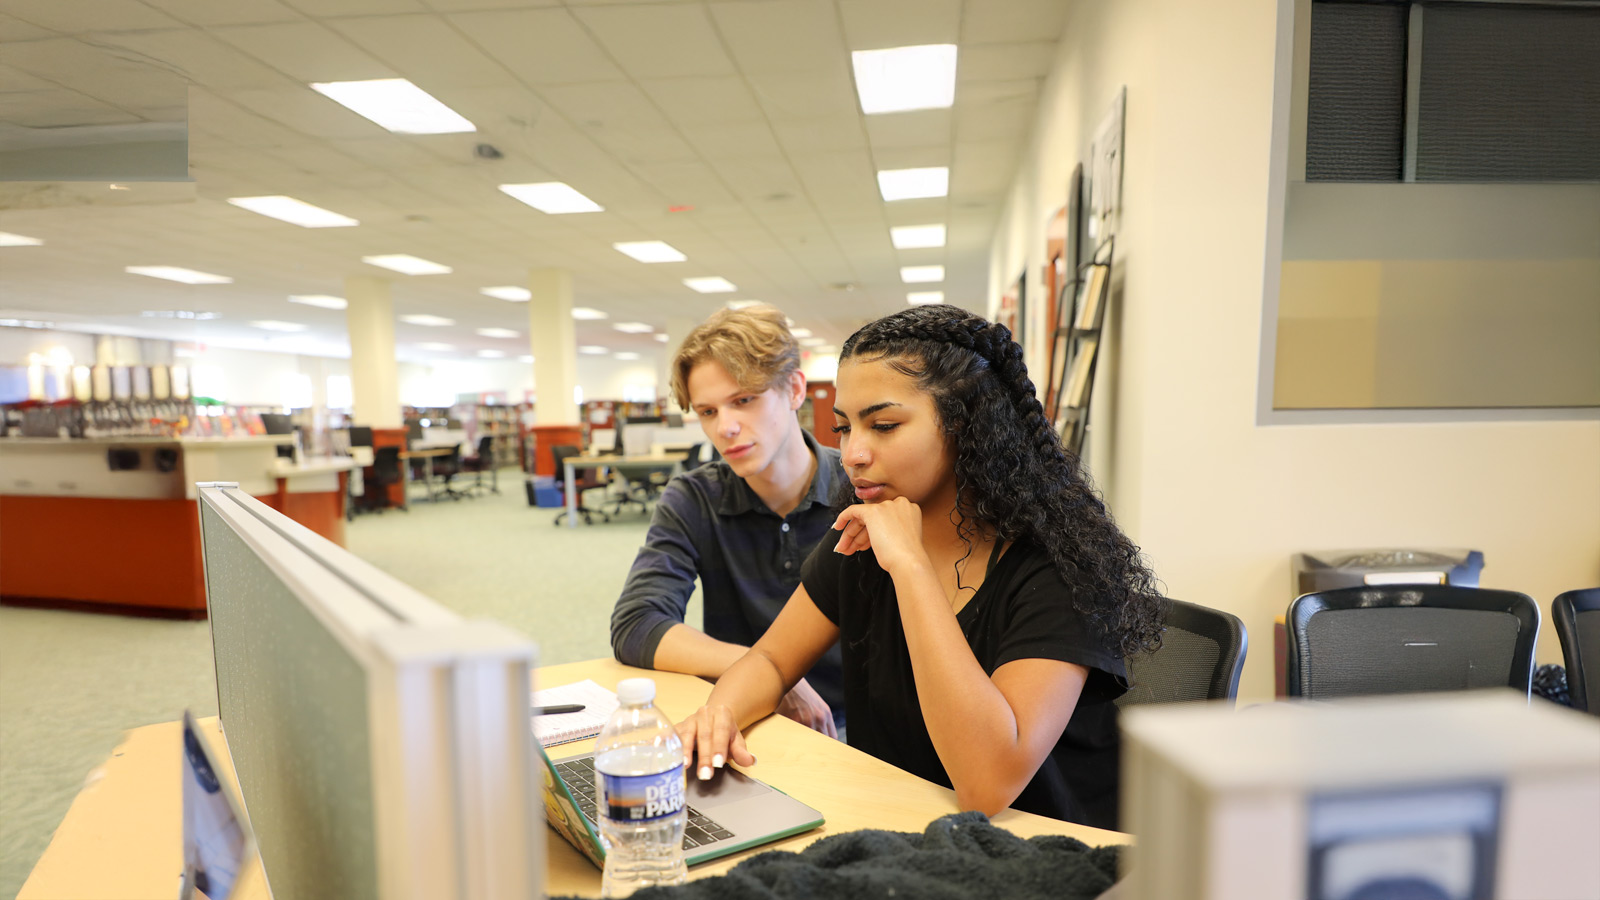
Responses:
[752,687]
[991,733]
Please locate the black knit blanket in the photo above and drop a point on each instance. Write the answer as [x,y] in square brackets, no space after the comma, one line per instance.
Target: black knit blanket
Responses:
[957,857]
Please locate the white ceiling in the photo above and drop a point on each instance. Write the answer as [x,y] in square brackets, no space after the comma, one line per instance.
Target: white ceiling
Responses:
[744,110]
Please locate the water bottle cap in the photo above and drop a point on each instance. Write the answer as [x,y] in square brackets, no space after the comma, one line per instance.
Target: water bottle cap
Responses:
[636,691]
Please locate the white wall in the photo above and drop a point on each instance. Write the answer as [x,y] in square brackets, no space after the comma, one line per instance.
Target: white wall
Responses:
[1219,502]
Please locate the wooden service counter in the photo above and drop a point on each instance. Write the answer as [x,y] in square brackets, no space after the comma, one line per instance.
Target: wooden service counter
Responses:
[111,523]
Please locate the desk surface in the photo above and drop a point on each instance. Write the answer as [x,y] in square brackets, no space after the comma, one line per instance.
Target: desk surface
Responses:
[428,453]
[647,459]
[121,838]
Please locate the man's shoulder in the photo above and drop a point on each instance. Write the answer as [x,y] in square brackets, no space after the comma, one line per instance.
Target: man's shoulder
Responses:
[702,487]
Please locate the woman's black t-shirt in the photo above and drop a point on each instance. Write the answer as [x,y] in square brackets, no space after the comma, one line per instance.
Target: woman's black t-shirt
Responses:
[1023,610]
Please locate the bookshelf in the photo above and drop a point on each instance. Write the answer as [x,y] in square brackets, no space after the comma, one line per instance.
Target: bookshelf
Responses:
[1077,343]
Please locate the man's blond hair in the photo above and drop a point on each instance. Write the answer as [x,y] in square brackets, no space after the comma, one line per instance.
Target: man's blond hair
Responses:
[752,343]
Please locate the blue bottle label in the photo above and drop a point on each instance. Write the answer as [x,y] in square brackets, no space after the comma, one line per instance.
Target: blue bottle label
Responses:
[642,798]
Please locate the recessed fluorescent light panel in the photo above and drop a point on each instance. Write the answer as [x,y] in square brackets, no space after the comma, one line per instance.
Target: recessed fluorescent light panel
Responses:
[553,197]
[743,304]
[660,336]
[800,332]
[920,274]
[916,237]
[627,355]
[275,325]
[173,273]
[491,354]
[812,342]
[710,285]
[914,184]
[588,315]
[295,212]
[924,298]
[179,314]
[900,79]
[323,300]
[508,292]
[430,321]
[18,240]
[407,265]
[650,251]
[497,332]
[592,350]
[633,328]
[397,105]
[436,346]
[525,358]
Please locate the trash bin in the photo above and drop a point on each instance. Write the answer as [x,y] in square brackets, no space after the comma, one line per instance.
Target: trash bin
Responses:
[1325,570]
[543,491]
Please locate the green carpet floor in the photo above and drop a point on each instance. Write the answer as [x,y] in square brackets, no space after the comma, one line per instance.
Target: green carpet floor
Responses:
[72,683]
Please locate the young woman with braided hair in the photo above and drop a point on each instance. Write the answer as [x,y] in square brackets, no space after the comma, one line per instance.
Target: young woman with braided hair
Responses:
[983,598]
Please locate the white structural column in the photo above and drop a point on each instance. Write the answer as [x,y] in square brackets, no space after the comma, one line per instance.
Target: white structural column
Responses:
[678,328]
[555,346]
[374,375]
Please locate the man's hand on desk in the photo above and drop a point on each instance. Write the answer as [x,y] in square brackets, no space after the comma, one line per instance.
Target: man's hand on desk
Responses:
[710,738]
[804,705]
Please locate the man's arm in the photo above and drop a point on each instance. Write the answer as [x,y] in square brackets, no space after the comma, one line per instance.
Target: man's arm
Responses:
[647,627]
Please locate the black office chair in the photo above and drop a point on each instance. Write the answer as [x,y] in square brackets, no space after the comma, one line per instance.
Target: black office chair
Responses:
[481,462]
[641,484]
[448,466]
[582,480]
[1577,618]
[1202,653]
[384,472]
[1406,638]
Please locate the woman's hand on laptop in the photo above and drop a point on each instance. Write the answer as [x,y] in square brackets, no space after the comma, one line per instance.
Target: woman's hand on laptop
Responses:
[712,736]
[804,705]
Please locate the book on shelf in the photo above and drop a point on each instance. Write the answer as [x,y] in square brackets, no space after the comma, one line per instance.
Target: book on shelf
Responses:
[1076,393]
[1091,297]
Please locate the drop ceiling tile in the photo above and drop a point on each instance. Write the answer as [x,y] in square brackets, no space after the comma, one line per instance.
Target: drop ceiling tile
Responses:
[80,16]
[716,100]
[911,158]
[14,29]
[101,74]
[198,57]
[542,47]
[997,109]
[759,180]
[307,112]
[685,183]
[474,5]
[227,12]
[1004,62]
[58,108]
[922,128]
[16,80]
[658,41]
[877,24]
[819,93]
[723,142]
[424,48]
[333,8]
[1015,20]
[840,132]
[605,105]
[213,115]
[784,36]
[306,52]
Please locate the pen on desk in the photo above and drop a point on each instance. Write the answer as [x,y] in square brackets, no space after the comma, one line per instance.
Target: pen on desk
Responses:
[557,710]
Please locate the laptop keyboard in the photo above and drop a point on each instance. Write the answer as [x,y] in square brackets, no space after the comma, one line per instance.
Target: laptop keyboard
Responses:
[579,776]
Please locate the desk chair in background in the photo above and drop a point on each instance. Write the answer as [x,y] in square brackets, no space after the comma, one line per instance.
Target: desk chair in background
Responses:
[1202,653]
[481,462]
[1577,618]
[640,485]
[385,471]
[582,480]
[1408,638]
[447,467]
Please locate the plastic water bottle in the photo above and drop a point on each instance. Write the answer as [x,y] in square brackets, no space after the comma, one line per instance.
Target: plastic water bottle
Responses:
[638,766]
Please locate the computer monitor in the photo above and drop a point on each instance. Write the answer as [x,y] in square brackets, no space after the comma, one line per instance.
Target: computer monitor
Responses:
[277,423]
[381,743]
[360,435]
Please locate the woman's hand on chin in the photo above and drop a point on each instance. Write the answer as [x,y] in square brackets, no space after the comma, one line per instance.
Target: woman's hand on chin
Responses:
[710,738]
[892,529]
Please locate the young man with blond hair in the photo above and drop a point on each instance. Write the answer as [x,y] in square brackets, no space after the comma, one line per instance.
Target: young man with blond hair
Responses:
[743,524]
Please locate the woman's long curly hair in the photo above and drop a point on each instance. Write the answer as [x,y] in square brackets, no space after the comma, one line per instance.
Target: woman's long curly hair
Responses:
[1012,472]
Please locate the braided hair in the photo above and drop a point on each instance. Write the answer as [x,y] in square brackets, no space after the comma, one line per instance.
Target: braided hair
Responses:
[1012,472]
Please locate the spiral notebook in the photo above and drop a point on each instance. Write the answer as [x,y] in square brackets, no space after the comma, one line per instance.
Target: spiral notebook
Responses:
[598,705]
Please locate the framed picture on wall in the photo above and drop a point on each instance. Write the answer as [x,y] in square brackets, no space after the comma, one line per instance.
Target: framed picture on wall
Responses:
[1013,308]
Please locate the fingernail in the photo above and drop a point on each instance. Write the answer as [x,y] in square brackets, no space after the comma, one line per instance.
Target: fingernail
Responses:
[716,761]
[705,773]
[752,760]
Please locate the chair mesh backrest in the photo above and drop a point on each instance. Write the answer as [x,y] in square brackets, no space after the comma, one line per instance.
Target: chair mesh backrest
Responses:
[1405,649]
[1199,658]
[1589,645]
[1577,619]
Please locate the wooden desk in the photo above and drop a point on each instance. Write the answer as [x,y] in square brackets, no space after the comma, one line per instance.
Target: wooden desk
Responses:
[121,840]
[672,463]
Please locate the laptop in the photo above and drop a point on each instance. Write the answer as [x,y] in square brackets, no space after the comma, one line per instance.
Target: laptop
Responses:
[729,813]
